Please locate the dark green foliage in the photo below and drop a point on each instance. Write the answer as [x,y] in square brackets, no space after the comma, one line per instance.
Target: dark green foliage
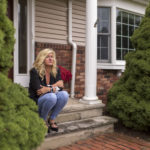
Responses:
[141,38]
[20,126]
[129,98]
[6,39]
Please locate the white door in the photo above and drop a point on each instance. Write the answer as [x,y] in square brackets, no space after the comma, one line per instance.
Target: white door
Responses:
[24,46]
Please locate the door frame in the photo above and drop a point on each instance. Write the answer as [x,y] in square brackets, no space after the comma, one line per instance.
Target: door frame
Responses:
[23,79]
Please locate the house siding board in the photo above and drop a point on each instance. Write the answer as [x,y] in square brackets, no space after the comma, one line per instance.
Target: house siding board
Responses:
[79,21]
[51,21]
[48,40]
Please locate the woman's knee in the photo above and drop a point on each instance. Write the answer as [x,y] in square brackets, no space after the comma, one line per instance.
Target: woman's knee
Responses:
[51,98]
[64,95]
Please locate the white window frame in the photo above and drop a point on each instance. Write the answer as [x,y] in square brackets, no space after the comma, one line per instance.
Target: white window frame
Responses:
[109,40]
[129,6]
[23,79]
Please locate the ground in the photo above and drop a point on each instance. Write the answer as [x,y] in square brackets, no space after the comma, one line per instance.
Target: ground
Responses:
[119,128]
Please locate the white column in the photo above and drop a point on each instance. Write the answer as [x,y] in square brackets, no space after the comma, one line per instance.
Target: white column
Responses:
[113,34]
[91,54]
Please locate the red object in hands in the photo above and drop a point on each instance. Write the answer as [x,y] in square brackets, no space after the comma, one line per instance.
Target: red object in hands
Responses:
[66,75]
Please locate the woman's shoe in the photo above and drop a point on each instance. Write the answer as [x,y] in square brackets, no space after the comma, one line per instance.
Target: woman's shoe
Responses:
[52,124]
[53,128]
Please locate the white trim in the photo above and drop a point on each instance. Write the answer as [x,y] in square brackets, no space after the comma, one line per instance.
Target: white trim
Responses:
[23,79]
[15,21]
[145,2]
[113,34]
[109,66]
[32,43]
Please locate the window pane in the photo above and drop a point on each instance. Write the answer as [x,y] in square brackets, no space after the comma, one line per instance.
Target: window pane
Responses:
[118,16]
[103,47]
[131,30]
[104,13]
[118,54]
[98,53]
[104,53]
[22,24]
[124,17]
[125,30]
[103,20]
[118,29]
[131,19]
[118,42]
[104,27]
[124,42]
[104,41]
[137,20]
[98,41]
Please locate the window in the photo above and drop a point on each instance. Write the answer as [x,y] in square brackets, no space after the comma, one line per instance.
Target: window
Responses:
[103,37]
[126,24]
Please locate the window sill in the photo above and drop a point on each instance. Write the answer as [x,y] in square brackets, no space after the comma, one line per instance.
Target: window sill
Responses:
[110,66]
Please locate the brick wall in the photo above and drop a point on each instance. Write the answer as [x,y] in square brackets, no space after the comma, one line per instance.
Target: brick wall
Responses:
[80,72]
[105,78]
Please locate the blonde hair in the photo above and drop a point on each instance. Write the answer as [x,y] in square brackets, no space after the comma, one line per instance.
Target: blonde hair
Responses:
[39,62]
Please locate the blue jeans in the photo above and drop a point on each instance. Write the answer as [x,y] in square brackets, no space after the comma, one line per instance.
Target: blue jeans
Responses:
[53,102]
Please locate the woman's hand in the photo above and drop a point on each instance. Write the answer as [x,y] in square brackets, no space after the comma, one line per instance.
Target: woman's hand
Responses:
[43,90]
[59,84]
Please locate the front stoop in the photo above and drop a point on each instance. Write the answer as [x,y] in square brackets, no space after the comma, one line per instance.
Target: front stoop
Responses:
[78,121]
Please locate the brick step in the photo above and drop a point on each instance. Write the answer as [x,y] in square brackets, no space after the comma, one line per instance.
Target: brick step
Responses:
[75,110]
[72,131]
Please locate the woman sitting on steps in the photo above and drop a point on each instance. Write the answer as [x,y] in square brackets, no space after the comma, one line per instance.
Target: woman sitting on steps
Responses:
[45,87]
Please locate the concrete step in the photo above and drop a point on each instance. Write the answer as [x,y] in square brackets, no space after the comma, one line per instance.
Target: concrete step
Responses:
[75,110]
[72,131]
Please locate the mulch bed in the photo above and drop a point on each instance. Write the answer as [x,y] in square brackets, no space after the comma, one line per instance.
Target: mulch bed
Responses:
[119,128]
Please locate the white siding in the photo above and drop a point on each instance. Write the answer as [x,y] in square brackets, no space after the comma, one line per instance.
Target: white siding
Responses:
[51,21]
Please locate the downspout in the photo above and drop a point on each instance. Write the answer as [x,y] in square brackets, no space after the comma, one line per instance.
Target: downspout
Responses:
[74,47]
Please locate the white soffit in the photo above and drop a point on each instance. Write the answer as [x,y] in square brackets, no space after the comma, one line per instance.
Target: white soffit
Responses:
[145,2]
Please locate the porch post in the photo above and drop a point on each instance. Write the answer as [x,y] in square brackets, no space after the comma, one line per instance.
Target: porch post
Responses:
[91,54]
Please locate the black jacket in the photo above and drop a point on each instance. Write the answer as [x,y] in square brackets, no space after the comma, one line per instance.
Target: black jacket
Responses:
[36,81]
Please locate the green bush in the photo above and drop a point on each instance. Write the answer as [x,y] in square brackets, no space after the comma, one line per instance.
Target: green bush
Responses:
[129,98]
[6,39]
[20,125]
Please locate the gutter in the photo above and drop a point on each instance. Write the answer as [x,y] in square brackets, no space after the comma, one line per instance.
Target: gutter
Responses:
[74,47]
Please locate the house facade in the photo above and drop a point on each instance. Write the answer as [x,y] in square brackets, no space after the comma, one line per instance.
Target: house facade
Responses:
[90,38]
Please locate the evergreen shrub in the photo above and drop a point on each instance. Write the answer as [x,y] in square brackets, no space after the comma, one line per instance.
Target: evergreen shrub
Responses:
[6,39]
[20,125]
[129,98]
